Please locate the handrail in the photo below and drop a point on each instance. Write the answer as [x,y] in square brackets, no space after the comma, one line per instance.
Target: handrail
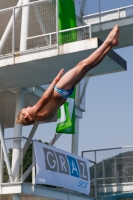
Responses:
[21,137]
[116,9]
[124,147]
[14,7]
[62,31]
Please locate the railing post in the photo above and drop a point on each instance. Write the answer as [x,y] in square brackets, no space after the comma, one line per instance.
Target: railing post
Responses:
[126,173]
[115,170]
[90,31]
[103,173]
[13,36]
[118,176]
[118,13]
[50,39]
[95,175]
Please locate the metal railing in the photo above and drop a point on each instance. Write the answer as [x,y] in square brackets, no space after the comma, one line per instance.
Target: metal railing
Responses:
[98,6]
[21,169]
[16,28]
[19,34]
[113,165]
[102,16]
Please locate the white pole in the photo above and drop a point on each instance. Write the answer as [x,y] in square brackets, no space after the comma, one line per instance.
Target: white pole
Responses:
[33,165]
[1,159]
[24,26]
[9,27]
[17,142]
[5,154]
[75,137]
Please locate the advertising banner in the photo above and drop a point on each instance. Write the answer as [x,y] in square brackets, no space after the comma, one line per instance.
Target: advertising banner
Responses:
[59,168]
[67,20]
[66,116]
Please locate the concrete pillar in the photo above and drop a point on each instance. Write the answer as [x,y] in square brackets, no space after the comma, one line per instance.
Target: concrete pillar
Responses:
[17,142]
[16,154]
[24,26]
[75,137]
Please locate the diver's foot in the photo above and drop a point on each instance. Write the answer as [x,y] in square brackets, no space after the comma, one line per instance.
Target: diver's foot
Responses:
[113,37]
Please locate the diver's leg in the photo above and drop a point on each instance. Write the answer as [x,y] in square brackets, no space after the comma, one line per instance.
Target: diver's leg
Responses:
[95,64]
[72,76]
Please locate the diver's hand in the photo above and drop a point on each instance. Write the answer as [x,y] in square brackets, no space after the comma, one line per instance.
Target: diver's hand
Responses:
[58,77]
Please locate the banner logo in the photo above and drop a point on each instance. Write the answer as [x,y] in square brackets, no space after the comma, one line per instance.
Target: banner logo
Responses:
[60,168]
[65,164]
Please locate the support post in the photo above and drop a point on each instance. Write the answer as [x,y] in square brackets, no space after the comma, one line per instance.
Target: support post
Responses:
[99,13]
[75,137]
[16,154]
[95,175]
[103,173]
[84,89]
[5,154]
[24,26]
[115,171]
[82,9]
[33,165]
[31,135]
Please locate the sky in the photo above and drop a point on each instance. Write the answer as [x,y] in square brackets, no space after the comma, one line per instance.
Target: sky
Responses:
[108,120]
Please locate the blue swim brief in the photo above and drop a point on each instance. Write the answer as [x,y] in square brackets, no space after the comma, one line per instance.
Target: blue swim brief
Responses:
[64,93]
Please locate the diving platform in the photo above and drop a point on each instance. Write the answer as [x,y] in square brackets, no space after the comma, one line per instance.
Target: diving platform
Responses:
[39,67]
[28,191]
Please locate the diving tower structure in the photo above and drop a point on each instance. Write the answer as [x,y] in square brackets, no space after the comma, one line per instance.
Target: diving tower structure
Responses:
[30,56]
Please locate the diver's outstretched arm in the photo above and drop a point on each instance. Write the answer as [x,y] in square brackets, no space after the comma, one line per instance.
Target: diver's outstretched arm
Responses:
[48,92]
